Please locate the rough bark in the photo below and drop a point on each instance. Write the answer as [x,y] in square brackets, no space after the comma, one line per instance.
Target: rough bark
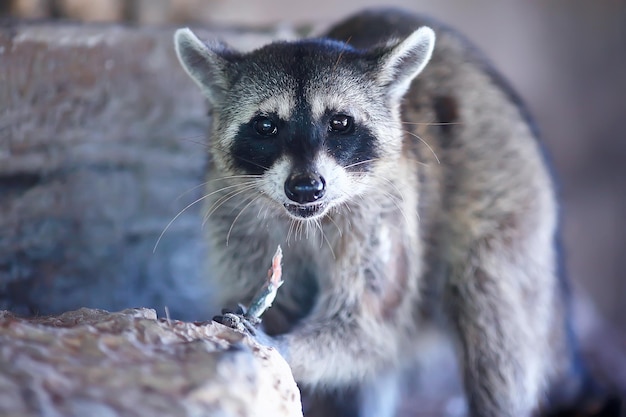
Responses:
[100,364]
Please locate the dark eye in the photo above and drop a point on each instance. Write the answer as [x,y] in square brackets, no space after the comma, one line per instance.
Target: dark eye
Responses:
[264,126]
[341,123]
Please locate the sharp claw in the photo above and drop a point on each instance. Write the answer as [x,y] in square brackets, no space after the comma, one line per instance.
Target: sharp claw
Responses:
[232,320]
[238,321]
[249,327]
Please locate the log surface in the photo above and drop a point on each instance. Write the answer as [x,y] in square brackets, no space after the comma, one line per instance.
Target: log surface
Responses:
[130,364]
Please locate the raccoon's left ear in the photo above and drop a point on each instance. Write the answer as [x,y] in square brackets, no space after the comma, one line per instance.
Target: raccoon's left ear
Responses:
[404,60]
[206,63]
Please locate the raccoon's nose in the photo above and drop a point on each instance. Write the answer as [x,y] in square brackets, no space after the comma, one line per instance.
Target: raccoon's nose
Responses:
[305,188]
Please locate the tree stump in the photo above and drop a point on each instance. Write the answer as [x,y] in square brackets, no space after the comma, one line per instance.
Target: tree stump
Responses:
[99,364]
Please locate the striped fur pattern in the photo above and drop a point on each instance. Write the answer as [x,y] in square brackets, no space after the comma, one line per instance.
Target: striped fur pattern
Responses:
[403,180]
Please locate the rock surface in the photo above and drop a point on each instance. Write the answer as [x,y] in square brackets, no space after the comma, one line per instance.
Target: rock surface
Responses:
[102,143]
[99,364]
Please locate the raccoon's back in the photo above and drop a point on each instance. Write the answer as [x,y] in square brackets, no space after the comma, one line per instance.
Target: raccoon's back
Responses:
[376,26]
[483,164]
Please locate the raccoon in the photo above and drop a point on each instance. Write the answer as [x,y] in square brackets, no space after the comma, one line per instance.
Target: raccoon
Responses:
[407,186]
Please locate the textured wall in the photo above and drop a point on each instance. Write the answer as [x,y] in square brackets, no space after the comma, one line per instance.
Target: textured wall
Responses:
[92,158]
[102,141]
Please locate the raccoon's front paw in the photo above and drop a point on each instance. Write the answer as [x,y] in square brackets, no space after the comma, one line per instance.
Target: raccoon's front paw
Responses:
[238,320]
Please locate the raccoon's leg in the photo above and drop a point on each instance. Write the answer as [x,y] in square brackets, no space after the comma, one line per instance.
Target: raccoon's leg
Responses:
[501,304]
[380,396]
[574,391]
[335,403]
[377,397]
[336,351]
[342,344]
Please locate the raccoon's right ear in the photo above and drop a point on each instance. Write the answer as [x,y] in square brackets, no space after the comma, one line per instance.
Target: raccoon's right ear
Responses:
[402,61]
[204,62]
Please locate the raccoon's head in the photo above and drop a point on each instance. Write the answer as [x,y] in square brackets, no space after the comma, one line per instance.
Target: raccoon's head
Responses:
[313,119]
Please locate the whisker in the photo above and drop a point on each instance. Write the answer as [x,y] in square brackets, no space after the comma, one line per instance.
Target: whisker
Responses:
[192,189]
[299,230]
[391,183]
[395,199]
[176,217]
[237,217]
[265,212]
[343,49]
[417,161]
[432,123]
[190,139]
[296,227]
[361,163]
[216,147]
[383,178]
[229,177]
[290,230]
[325,238]
[225,198]
[246,185]
[425,143]
[213,147]
[346,219]
[318,225]
[329,217]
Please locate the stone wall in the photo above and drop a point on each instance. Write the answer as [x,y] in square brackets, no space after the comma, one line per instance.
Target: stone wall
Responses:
[102,143]
[137,11]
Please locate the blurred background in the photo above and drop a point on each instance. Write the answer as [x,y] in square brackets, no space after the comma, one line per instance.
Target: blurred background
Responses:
[81,232]
[566,58]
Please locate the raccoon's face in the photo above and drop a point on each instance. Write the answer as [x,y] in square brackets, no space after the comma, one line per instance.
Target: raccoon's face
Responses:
[311,119]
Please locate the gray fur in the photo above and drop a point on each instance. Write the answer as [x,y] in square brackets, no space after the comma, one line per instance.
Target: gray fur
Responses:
[464,212]
[193,54]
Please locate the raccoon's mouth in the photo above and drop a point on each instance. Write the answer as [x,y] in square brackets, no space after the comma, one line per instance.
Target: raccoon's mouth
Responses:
[304,211]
